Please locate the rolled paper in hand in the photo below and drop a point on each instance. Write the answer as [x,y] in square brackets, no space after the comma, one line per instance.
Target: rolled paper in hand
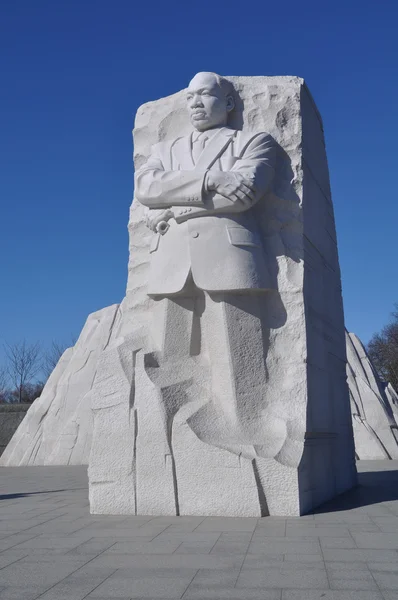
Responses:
[162,227]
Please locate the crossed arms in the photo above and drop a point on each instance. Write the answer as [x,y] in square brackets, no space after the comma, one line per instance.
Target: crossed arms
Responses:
[207,192]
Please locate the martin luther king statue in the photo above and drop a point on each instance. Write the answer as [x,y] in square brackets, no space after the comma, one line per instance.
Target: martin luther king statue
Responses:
[222,389]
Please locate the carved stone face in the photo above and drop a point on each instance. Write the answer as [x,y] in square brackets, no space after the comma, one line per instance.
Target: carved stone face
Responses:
[208,107]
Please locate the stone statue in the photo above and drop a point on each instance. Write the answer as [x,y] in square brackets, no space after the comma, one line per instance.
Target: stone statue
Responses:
[206,183]
[208,265]
[222,387]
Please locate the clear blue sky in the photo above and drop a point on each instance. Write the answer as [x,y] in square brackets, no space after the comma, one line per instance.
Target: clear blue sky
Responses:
[73,73]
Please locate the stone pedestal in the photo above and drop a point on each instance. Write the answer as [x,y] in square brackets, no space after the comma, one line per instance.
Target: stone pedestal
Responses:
[249,413]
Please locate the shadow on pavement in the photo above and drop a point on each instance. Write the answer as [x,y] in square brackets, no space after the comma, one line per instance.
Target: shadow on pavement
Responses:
[373,487]
[25,495]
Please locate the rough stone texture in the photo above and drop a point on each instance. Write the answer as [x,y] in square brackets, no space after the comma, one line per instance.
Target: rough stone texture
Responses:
[373,404]
[11,415]
[57,429]
[146,457]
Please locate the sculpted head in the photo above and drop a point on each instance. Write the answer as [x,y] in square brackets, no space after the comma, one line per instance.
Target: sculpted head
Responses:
[209,100]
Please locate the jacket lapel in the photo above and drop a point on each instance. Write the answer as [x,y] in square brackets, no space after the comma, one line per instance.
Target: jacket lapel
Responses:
[182,150]
[214,148]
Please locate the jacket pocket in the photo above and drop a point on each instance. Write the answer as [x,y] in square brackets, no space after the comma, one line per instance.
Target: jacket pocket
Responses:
[154,243]
[239,236]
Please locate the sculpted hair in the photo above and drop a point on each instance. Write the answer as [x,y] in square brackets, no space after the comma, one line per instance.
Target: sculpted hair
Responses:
[226,86]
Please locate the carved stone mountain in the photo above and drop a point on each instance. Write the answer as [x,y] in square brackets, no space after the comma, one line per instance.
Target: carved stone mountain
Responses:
[55,432]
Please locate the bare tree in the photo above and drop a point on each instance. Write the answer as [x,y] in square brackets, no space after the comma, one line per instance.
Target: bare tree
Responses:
[52,356]
[24,363]
[383,351]
[3,384]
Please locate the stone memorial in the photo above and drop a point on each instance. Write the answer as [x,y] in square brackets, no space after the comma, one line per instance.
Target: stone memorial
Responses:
[222,390]
[58,427]
[374,406]
[218,386]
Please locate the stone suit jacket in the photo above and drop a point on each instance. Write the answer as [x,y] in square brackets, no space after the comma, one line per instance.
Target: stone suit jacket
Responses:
[211,237]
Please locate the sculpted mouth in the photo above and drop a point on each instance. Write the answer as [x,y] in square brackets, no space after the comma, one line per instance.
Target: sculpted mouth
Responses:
[199,114]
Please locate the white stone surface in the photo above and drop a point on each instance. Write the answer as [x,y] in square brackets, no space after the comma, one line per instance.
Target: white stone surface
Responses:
[373,405]
[230,404]
[57,429]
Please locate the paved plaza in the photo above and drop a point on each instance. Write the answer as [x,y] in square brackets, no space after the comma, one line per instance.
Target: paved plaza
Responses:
[52,549]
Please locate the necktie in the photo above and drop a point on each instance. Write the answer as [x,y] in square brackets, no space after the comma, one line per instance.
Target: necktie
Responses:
[198,146]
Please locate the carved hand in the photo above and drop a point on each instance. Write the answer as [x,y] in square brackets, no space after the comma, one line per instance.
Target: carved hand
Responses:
[154,217]
[233,186]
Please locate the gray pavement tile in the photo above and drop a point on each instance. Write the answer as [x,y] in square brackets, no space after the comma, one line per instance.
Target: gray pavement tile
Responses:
[391,567]
[194,548]
[283,576]
[110,531]
[338,542]
[386,580]
[228,524]
[37,573]
[57,542]
[387,595]
[230,548]
[314,559]
[359,554]
[284,546]
[194,536]
[168,561]
[387,524]
[144,583]
[78,585]
[355,579]
[348,565]
[236,536]
[15,540]
[343,517]
[330,595]
[199,592]
[274,528]
[16,592]
[253,561]
[7,558]
[93,546]
[155,547]
[363,527]
[218,577]
[382,540]
[312,530]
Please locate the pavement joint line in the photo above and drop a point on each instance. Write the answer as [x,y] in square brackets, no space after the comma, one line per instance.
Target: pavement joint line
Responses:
[198,525]
[73,572]
[22,542]
[32,526]
[186,589]
[157,535]
[97,586]
[14,561]
[376,524]
[377,585]
[324,563]
[246,553]
[78,546]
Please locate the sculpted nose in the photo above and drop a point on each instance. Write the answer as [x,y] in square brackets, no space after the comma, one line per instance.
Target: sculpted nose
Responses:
[196,101]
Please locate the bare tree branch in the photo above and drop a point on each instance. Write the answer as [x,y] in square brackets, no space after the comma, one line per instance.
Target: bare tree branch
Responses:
[52,356]
[3,383]
[24,363]
[383,351]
